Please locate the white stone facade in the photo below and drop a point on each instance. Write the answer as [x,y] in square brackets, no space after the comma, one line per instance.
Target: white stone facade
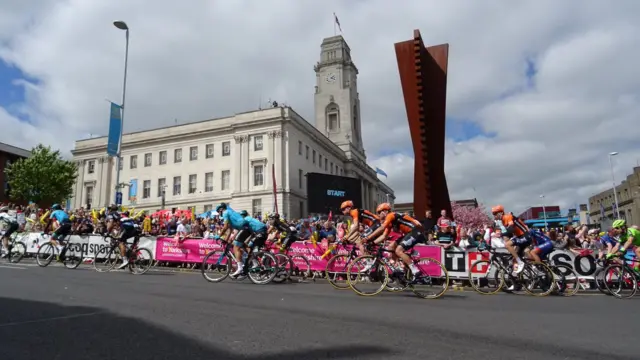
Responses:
[231,159]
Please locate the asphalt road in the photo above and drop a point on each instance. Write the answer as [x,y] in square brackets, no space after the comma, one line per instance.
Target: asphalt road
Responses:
[56,313]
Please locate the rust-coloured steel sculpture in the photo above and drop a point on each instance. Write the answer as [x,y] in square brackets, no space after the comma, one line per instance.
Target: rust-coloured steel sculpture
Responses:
[423,74]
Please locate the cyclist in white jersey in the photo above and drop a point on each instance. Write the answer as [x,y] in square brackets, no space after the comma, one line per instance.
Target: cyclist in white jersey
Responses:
[11,225]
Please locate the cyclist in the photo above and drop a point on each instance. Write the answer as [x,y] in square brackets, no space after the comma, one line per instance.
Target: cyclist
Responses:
[628,237]
[233,221]
[64,226]
[543,246]
[128,229]
[410,228]
[359,217]
[11,225]
[608,241]
[517,235]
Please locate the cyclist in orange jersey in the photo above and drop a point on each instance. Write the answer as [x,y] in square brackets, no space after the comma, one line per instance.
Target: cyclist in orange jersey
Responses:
[517,235]
[358,216]
[410,228]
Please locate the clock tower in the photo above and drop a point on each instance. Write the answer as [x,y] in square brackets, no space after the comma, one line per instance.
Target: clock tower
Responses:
[337,104]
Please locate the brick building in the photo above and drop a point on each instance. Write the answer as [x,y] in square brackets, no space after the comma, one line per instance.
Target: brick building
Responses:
[9,154]
[602,206]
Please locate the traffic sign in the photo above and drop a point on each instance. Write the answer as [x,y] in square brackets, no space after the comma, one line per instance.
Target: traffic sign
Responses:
[119,198]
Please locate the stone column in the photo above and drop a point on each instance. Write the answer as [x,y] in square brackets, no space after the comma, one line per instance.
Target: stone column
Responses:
[236,172]
[80,183]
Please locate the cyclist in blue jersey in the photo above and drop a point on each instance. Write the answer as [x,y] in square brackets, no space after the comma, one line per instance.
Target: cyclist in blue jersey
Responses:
[64,226]
[543,246]
[608,240]
[258,230]
[128,229]
[234,221]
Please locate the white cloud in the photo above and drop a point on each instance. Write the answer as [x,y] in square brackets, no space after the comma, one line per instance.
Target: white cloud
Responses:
[207,59]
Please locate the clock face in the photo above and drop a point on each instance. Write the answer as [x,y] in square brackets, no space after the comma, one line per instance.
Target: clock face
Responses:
[331,77]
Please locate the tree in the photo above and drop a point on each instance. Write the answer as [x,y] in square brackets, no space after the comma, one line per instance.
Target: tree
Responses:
[470,217]
[44,177]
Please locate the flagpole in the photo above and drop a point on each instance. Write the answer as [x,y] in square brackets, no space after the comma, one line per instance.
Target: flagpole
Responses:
[334,25]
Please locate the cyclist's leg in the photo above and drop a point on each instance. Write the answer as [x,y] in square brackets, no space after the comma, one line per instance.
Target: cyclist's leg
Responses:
[407,242]
[238,246]
[59,236]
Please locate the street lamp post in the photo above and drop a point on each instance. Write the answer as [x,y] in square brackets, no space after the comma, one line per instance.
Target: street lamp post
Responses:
[122,26]
[613,181]
[544,213]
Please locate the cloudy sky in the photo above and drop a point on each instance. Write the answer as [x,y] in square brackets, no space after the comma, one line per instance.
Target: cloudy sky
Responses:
[539,91]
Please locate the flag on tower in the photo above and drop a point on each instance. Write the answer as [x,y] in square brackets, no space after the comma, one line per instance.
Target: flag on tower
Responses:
[337,21]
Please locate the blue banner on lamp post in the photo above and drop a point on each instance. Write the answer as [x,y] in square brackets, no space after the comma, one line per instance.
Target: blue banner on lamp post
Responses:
[115,127]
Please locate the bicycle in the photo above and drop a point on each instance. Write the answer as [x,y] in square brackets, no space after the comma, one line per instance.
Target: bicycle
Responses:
[376,268]
[259,266]
[337,266]
[624,275]
[72,258]
[140,259]
[534,275]
[16,249]
[289,265]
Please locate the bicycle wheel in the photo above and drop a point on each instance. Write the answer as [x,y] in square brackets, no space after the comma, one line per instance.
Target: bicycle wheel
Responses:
[367,276]
[73,256]
[599,279]
[300,268]
[484,277]
[45,254]
[567,282]
[432,280]
[283,271]
[141,261]
[105,259]
[262,268]
[623,283]
[537,279]
[216,266]
[17,251]
[336,271]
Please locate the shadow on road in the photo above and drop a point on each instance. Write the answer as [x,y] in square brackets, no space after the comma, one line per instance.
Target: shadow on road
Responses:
[39,330]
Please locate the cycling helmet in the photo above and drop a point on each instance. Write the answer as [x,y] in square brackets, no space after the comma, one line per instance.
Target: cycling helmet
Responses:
[4,208]
[222,206]
[244,213]
[274,216]
[126,214]
[617,224]
[497,209]
[383,207]
[56,207]
[346,204]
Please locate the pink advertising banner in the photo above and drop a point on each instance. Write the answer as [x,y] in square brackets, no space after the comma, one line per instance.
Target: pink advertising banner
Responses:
[190,251]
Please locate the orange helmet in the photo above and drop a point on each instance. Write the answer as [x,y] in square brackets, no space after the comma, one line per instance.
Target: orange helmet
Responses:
[346,204]
[383,207]
[496,209]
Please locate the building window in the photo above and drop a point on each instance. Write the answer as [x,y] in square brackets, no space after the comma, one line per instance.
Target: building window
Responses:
[341,172]
[332,115]
[299,147]
[314,156]
[209,150]
[208,182]
[301,209]
[326,164]
[133,162]
[193,183]
[193,153]
[89,193]
[163,157]
[320,161]
[257,143]
[91,168]
[208,208]
[355,122]
[120,163]
[226,148]
[336,170]
[306,153]
[146,189]
[225,177]
[300,175]
[258,175]
[162,184]
[147,160]
[331,167]
[177,185]
[256,206]
[177,155]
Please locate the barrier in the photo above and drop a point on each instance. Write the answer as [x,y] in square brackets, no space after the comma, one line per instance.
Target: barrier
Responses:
[457,261]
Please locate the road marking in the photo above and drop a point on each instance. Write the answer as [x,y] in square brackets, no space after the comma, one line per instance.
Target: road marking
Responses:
[13,267]
[50,319]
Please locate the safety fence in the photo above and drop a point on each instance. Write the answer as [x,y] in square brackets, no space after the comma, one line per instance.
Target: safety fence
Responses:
[457,261]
